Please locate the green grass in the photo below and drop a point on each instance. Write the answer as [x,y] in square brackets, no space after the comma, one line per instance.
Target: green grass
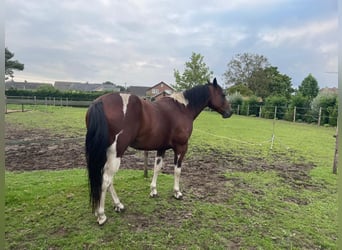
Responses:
[60,120]
[50,209]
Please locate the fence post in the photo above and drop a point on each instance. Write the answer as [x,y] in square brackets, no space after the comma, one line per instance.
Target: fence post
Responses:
[260,112]
[145,164]
[238,110]
[336,153]
[67,101]
[319,116]
[275,112]
[294,113]
[45,101]
[248,110]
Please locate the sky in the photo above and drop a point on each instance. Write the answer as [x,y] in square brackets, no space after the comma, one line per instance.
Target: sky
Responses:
[142,42]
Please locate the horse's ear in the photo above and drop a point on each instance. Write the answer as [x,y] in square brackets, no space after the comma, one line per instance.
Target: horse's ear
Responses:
[215,82]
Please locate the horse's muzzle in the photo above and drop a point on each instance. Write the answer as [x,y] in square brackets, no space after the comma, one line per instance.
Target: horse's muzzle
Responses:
[227,114]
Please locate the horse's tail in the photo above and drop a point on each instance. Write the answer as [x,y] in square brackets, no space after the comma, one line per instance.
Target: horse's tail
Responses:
[97,142]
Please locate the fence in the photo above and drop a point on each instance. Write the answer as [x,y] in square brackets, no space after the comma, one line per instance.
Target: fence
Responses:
[47,101]
[322,116]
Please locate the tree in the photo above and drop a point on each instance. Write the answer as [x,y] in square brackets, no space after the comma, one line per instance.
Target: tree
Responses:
[309,87]
[242,66]
[196,73]
[241,89]
[326,102]
[302,105]
[270,82]
[11,65]
[275,101]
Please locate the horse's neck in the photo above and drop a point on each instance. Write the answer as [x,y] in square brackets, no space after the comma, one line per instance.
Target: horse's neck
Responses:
[195,111]
[198,99]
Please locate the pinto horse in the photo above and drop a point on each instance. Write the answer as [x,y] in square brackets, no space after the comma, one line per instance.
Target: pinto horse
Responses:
[116,121]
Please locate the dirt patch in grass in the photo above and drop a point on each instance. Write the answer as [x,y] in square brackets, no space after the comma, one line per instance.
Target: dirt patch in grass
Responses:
[202,174]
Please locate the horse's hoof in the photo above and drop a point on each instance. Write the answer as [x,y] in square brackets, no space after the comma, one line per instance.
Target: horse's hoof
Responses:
[153,195]
[178,195]
[119,208]
[102,220]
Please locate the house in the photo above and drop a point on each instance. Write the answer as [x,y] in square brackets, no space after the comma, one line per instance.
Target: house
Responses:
[24,85]
[107,86]
[159,90]
[332,90]
[85,87]
[75,86]
[138,90]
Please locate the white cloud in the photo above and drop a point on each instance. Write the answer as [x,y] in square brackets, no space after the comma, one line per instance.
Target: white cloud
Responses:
[306,33]
[142,41]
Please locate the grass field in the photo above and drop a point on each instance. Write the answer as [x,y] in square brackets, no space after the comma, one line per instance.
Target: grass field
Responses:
[50,209]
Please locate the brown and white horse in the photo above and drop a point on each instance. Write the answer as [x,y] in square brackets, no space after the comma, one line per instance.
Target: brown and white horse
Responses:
[116,121]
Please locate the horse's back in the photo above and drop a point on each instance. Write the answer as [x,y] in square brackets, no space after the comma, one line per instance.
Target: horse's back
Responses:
[123,115]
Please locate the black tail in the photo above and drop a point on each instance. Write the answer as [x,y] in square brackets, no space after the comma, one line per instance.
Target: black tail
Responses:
[97,142]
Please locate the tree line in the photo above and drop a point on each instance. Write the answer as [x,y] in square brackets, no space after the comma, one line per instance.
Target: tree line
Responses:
[250,82]
[255,87]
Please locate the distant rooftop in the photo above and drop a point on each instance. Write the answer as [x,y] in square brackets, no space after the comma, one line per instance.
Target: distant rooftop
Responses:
[25,85]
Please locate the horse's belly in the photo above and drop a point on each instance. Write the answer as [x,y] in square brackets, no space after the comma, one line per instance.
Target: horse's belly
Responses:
[150,144]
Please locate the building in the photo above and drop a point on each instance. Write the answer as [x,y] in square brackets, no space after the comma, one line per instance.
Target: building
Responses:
[158,91]
[138,90]
[332,90]
[85,87]
[25,85]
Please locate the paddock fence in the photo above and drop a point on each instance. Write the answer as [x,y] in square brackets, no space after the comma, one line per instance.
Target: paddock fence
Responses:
[26,102]
[322,116]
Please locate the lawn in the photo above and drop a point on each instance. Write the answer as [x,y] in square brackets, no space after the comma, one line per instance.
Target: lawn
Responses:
[266,208]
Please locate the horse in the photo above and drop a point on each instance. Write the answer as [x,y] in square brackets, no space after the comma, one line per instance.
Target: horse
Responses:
[116,121]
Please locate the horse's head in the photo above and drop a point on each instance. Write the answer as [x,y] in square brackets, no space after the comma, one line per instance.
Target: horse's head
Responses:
[218,100]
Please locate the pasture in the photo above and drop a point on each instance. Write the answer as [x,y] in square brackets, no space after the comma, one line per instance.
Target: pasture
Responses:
[238,192]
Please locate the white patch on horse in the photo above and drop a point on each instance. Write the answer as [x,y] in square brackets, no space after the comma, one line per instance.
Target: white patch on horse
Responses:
[125,99]
[178,170]
[179,97]
[111,167]
[158,164]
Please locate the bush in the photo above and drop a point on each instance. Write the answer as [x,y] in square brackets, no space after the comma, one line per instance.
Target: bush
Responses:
[236,101]
[251,106]
[50,92]
[327,102]
[302,105]
[275,101]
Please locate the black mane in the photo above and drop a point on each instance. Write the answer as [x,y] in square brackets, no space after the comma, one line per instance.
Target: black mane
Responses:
[197,96]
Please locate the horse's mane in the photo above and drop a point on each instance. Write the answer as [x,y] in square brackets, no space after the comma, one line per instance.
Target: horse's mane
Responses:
[197,96]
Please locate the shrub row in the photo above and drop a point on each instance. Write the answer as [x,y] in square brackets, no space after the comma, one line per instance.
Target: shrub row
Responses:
[322,110]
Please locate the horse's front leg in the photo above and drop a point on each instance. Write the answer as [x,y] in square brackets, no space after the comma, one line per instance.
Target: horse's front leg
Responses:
[179,155]
[158,164]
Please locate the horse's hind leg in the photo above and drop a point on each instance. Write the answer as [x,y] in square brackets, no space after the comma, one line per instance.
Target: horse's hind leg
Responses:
[111,167]
[114,164]
[179,155]
[158,164]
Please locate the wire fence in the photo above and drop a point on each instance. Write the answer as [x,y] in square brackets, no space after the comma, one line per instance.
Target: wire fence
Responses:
[294,114]
[320,116]
[48,101]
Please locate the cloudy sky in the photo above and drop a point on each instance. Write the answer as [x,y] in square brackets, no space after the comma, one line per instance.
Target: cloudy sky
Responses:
[141,42]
